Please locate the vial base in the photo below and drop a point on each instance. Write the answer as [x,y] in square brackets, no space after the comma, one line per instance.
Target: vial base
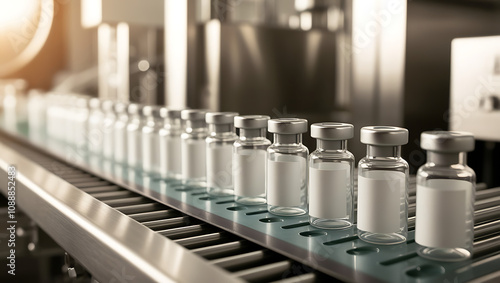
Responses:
[382,238]
[444,254]
[171,177]
[220,192]
[194,183]
[330,223]
[250,200]
[286,210]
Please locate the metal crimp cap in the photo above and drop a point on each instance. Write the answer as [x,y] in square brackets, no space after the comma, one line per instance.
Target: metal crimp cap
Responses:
[384,135]
[94,103]
[251,121]
[287,126]
[220,117]
[193,114]
[445,141]
[121,107]
[151,111]
[170,113]
[332,131]
[134,108]
[107,105]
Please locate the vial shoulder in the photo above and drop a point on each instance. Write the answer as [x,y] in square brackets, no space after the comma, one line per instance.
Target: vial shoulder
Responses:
[331,156]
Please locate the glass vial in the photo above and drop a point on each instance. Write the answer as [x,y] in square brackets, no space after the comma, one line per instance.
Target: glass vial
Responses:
[170,144]
[193,148]
[108,128]
[220,152]
[286,173]
[331,183]
[95,122]
[120,133]
[444,226]
[383,186]
[134,135]
[151,140]
[249,159]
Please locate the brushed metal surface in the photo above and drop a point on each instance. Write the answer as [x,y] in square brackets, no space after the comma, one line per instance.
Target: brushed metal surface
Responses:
[109,244]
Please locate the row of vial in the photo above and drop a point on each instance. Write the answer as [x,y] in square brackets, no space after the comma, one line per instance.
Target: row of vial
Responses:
[178,145]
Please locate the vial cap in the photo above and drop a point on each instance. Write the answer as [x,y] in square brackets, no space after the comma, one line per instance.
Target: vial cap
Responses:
[82,102]
[251,121]
[94,103]
[332,131]
[121,107]
[193,114]
[384,135]
[445,141]
[220,117]
[287,126]
[107,105]
[134,108]
[170,113]
[151,111]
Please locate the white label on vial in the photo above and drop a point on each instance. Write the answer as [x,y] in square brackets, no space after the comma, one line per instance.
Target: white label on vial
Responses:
[131,148]
[250,173]
[328,186]
[219,166]
[193,159]
[380,197]
[120,143]
[171,155]
[151,161]
[441,217]
[284,180]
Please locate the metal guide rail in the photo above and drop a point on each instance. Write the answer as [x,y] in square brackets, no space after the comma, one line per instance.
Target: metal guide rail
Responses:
[337,253]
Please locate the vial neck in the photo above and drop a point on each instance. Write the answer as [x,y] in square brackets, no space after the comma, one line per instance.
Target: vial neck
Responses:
[446,159]
[288,138]
[331,145]
[247,134]
[220,128]
[170,123]
[374,151]
[195,125]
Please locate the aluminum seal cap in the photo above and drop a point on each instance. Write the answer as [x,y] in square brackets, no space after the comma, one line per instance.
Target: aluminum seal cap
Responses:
[251,121]
[193,114]
[220,117]
[384,135]
[448,142]
[170,113]
[332,131]
[151,111]
[287,126]
[107,105]
[94,103]
[121,107]
[134,108]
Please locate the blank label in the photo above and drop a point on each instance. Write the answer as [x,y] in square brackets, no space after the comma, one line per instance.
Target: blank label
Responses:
[220,166]
[193,159]
[380,197]
[328,186]
[249,173]
[150,148]
[284,181]
[170,155]
[441,217]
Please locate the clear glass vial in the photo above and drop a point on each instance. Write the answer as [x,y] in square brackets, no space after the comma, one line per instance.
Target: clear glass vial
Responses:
[193,148]
[95,133]
[445,197]
[107,107]
[170,144]
[120,133]
[383,186]
[286,173]
[331,182]
[134,135]
[220,142]
[151,139]
[249,159]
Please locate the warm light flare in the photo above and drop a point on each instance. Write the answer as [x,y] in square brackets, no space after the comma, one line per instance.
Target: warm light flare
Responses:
[13,12]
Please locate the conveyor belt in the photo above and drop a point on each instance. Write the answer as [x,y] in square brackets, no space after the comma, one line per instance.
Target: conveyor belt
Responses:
[241,249]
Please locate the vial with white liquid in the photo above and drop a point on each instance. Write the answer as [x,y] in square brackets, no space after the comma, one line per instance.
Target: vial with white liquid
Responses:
[95,135]
[249,159]
[170,144]
[383,186]
[120,133]
[134,135]
[444,226]
[331,183]
[193,148]
[151,139]
[108,110]
[286,173]
[220,152]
